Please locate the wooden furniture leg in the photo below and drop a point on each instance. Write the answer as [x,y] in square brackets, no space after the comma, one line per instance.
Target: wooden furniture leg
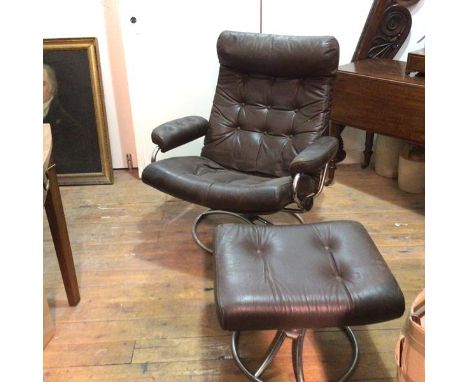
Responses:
[58,229]
[335,131]
[368,149]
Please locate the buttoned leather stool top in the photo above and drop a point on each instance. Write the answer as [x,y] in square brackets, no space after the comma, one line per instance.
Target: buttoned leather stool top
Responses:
[291,278]
[328,274]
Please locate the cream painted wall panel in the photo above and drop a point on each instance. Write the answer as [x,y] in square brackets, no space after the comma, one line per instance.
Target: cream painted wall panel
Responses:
[86,18]
[418,28]
[342,19]
[172,63]
[119,83]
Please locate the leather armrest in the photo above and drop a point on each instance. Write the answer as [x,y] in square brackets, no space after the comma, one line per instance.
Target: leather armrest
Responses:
[175,133]
[314,157]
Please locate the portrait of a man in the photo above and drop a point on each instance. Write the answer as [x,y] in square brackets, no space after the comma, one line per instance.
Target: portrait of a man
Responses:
[71,140]
[68,136]
[73,105]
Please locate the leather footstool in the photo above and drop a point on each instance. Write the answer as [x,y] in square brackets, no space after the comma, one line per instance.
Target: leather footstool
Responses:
[290,278]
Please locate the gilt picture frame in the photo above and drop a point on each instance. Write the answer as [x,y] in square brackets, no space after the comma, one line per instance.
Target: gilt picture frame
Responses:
[73,105]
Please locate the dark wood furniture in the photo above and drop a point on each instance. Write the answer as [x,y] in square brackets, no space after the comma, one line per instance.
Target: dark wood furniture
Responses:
[416,61]
[58,228]
[376,95]
[386,29]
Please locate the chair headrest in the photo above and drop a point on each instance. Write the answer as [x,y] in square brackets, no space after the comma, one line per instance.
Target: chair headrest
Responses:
[277,55]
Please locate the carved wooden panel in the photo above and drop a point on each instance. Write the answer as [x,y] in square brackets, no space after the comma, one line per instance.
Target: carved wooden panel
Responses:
[387,27]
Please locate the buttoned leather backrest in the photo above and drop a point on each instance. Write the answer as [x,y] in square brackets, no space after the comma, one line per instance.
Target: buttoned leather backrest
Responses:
[272,99]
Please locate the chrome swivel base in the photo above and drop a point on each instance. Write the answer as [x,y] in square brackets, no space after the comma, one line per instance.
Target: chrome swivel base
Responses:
[246,218]
[297,336]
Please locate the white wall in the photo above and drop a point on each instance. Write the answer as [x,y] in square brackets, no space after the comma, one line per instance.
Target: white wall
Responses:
[418,28]
[165,65]
[172,61]
[91,18]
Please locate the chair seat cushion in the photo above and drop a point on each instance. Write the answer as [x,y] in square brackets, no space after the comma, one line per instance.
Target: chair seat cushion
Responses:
[306,276]
[202,181]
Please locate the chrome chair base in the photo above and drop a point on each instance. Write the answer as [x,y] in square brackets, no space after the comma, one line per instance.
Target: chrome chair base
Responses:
[249,219]
[297,336]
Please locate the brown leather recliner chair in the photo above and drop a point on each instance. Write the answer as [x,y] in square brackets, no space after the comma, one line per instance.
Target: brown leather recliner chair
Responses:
[265,142]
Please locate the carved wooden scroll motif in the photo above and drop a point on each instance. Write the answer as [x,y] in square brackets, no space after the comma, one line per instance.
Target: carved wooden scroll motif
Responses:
[386,29]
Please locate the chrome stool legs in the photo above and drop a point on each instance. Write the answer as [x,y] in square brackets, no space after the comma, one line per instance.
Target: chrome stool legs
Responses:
[297,336]
[269,356]
[354,362]
[203,215]
[249,219]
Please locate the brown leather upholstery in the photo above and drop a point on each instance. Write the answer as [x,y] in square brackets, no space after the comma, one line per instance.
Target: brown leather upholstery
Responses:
[204,182]
[272,101]
[314,156]
[328,274]
[178,132]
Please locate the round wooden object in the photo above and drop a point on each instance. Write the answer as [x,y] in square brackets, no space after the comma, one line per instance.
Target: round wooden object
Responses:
[411,170]
[387,151]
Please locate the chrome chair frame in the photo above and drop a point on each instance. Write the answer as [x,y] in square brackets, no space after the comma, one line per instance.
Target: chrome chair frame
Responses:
[251,218]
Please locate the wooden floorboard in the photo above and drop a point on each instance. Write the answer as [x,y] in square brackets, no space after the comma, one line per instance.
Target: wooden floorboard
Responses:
[147,313]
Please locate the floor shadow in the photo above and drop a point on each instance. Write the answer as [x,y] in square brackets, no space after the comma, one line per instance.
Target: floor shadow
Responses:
[332,351]
[165,236]
[134,173]
[370,183]
[165,239]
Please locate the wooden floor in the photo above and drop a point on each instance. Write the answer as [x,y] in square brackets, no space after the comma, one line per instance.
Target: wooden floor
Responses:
[146,310]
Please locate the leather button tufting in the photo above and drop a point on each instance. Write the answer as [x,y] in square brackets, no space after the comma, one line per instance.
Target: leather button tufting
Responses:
[309,289]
